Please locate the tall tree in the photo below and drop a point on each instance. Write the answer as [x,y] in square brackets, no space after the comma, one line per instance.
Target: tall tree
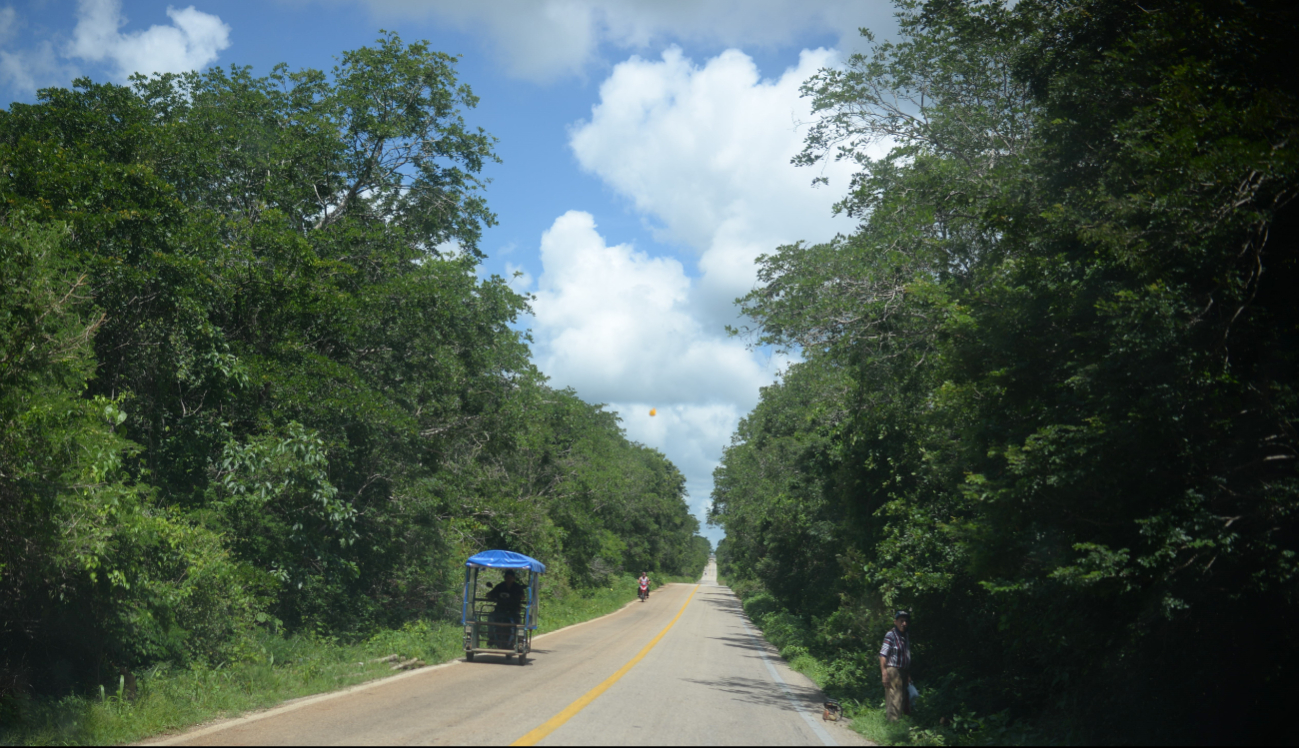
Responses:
[1069,436]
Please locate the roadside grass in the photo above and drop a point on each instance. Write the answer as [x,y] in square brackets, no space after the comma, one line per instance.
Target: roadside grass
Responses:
[874,726]
[276,669]
[922,727]
[939,716]
[871,721]
[592,603]
[660,581]
[967,729]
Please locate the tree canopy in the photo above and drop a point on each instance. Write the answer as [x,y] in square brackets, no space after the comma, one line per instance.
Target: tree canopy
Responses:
[1048,393]
[249,376]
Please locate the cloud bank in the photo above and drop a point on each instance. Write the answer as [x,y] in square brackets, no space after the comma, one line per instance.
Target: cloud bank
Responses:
[542,40]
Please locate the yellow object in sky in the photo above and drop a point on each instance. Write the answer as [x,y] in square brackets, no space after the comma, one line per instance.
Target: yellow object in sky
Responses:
[653,412]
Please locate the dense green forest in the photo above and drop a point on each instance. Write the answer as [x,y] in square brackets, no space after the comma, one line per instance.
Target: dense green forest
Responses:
[251,380]
[1047,390]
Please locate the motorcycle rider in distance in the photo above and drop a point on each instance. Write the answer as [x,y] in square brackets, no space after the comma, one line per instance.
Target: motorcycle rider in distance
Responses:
[644,585]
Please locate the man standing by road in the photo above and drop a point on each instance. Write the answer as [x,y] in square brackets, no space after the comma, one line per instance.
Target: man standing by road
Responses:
[895,667]
[509,598]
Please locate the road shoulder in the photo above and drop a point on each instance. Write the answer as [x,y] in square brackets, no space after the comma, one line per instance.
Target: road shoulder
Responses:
[812,701]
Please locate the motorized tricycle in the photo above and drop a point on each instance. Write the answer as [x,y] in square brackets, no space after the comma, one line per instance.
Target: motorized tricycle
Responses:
[499,618]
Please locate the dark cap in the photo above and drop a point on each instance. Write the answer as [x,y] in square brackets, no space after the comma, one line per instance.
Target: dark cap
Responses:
[902,614]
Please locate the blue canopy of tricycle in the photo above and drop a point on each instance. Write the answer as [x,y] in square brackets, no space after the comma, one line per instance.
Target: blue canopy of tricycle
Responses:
[505,560]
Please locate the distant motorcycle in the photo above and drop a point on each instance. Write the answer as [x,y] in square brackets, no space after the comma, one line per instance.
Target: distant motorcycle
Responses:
[644,591]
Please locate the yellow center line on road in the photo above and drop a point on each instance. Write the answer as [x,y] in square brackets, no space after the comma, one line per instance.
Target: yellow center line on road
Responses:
[555,722]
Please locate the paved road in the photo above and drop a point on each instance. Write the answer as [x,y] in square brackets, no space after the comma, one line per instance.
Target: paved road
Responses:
[708,681]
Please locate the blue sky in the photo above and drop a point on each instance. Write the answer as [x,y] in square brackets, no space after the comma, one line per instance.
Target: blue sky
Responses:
[645,154]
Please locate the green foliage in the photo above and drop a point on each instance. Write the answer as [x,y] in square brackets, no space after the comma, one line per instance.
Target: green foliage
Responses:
[1049,389]
[282,515]
[251,383]
[274,668]
[83,539]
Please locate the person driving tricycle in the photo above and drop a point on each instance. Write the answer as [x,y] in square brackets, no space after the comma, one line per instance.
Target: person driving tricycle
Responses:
[508,596]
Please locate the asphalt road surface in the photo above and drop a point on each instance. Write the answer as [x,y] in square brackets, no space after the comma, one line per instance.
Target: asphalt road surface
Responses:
[709,679]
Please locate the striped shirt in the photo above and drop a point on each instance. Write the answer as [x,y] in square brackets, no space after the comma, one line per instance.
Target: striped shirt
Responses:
[896,650]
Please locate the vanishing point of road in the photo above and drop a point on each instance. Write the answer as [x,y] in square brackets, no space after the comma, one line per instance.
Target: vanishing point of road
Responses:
[684,668]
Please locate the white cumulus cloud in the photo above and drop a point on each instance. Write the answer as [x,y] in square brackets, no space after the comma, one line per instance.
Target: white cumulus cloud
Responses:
[616,325]
[192,41]
[705,152]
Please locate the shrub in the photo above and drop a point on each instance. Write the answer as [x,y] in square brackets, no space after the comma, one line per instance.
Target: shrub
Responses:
[759,605]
